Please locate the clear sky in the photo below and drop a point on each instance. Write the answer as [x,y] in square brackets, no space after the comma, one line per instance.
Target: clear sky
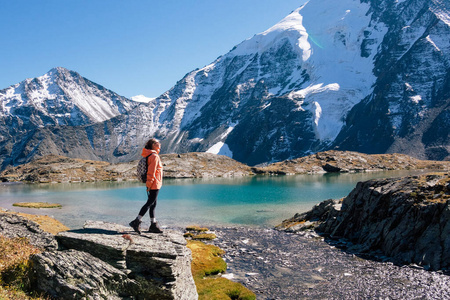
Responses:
[131,47]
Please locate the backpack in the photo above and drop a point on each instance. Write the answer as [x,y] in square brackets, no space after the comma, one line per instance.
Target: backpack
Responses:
[142,169]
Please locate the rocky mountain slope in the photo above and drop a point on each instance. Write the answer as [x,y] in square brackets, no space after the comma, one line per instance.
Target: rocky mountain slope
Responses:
[58,98]
[369,76]
[406,219]
[409,108]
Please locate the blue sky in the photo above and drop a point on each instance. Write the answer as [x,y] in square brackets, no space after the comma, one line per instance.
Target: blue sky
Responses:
[131,47]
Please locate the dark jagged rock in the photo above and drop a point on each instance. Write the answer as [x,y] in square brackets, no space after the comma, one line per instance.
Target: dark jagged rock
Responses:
[13,226]
[406,219]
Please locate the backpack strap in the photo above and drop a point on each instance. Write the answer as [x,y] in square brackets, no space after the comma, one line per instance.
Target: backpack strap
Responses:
[146,159]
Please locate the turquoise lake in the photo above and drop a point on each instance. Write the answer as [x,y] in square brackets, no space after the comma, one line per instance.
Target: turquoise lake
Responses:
[250,201]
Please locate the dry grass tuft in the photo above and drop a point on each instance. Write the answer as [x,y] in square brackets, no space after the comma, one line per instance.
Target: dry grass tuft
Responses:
[15,269]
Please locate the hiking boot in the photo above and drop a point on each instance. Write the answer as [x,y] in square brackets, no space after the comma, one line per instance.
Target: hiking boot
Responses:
[135,225]
[154,228]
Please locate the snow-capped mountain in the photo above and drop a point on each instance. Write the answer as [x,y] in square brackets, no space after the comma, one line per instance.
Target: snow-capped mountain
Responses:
[142,99]
[59,97]
[284,92]
[409,108]
[302,85]
[370,76]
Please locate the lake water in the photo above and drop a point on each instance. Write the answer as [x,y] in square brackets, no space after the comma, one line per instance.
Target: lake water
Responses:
[255,201]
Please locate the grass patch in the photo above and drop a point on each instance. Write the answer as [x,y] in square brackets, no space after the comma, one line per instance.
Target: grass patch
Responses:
[15,269]
[204,236]
[195,232]
[196,228]
[206,259]
[206,264]
[37,205]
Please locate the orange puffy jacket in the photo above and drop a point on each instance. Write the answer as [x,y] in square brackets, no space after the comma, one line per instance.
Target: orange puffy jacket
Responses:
[154,171]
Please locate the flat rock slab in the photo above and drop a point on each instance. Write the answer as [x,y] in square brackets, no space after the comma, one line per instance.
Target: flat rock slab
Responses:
[159,263]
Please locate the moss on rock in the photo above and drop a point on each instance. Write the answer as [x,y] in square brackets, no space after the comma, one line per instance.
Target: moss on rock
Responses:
[207,264]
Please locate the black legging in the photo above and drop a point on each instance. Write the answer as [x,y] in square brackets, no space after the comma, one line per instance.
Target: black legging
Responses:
[151,203]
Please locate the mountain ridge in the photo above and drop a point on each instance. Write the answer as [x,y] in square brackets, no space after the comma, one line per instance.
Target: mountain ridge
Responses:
[370,76]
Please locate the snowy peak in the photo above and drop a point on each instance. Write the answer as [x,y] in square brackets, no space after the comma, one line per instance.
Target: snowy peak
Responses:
[290,28]
[61,97]
[316,64]
[363,75]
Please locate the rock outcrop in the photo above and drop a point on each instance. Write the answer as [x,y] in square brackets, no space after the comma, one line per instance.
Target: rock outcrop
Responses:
[406,219]
[13,226]
[347,162]
[107,261]
[160,264]
[53,168]
[75,274]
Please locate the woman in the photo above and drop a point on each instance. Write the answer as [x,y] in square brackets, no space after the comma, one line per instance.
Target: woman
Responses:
[154,183]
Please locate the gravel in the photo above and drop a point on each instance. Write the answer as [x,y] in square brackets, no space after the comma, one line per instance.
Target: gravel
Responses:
[279,265]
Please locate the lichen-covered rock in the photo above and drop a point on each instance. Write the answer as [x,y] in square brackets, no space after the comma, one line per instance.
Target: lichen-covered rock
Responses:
[13,226]
[407,219]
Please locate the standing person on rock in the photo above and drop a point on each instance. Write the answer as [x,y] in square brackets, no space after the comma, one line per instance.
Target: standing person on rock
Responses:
[154,183]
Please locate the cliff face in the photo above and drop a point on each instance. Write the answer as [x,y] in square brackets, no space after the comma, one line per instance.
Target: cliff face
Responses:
[407,219]
[408,109]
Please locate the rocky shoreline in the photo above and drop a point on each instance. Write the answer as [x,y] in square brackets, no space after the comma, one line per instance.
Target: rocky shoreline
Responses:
[57,169]
[406,219]
[281,265]
[388,239]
